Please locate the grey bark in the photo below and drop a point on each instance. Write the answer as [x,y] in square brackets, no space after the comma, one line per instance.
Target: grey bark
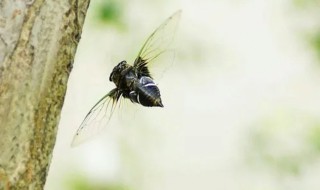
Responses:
[38,41]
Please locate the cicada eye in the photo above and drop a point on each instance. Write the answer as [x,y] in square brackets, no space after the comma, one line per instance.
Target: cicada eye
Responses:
[110,77]
[122,63]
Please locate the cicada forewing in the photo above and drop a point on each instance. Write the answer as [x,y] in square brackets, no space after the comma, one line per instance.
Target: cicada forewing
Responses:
[159,43]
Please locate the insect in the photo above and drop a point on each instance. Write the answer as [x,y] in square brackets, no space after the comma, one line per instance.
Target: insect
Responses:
[133,82]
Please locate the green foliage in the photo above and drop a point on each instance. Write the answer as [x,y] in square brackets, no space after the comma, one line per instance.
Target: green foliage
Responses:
[314,137]
[305,3]
[315,42]
[312,8]
[82,183]
[109,11]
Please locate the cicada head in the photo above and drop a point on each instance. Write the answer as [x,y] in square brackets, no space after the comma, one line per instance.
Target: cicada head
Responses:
[116,72]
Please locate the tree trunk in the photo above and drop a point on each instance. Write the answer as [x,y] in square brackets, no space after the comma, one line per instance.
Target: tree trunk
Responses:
[38,41]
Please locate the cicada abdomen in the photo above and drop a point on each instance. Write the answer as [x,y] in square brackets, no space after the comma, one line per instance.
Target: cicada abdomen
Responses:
[146,93]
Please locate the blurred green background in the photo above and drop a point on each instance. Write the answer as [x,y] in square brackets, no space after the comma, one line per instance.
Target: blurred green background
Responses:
[242,108]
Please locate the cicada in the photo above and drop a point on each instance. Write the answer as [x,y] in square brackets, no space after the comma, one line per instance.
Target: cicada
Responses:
[133,82]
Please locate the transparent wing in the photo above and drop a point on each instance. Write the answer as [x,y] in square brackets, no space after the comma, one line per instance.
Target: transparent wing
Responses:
[157,43]
[97,118]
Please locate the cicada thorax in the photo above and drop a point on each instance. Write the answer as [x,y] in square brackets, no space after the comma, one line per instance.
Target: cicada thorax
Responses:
[146,92]
[135,85]
[141,67]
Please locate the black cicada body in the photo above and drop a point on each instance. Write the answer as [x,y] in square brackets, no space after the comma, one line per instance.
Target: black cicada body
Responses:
[133,82]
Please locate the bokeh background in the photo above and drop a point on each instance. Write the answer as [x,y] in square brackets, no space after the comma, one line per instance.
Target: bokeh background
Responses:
[242,108]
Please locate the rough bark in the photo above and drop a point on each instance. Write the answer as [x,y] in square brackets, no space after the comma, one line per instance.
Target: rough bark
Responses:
[38,41]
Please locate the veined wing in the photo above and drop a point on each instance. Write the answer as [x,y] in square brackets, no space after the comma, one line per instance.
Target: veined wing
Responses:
[157,43]
[97,118]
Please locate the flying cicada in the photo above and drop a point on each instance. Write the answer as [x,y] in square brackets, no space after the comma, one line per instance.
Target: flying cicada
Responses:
[133,82]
